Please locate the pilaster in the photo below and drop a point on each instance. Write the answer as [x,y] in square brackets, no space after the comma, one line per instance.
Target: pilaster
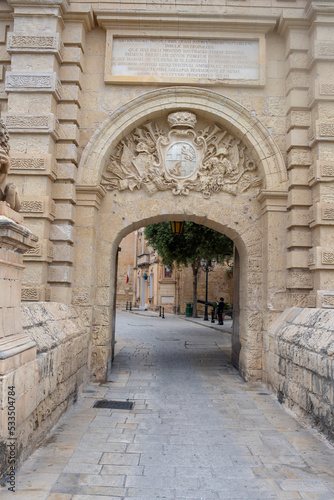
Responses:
[34,89]
[299,158]
[85,288]
[321,140]
[77,21]
[274,213]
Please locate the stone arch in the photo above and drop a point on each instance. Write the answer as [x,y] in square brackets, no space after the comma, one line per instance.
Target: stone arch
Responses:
[104,218]
[212,105]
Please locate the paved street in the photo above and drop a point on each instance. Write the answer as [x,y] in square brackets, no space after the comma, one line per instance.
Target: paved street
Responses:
[197,430]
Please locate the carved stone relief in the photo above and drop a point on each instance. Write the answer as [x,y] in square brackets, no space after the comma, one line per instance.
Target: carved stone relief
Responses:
[186,157]
[28,163]
[38,82]
[32,42]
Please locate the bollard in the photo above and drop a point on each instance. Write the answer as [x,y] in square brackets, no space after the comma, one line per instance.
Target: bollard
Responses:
[159,311]
[212,316]
[126,307]
[130,306]
[163,313]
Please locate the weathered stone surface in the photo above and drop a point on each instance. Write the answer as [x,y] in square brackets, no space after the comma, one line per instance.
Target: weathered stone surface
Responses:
[303,342]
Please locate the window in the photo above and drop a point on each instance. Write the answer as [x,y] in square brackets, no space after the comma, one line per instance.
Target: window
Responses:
[168,272]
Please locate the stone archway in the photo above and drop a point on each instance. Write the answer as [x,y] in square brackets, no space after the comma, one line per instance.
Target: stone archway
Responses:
[253,218]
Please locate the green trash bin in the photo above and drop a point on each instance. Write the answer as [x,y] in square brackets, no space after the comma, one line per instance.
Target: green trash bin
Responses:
[189,310]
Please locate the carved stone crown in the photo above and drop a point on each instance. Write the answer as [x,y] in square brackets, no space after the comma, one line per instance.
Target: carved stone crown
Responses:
[182,119]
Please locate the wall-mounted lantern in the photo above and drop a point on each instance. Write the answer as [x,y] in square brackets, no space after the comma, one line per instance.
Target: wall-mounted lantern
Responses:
[177,226]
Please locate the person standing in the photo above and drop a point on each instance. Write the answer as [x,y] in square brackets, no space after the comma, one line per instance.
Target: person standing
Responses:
[220,311]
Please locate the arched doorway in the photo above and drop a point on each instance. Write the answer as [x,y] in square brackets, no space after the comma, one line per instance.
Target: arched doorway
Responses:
[233,180]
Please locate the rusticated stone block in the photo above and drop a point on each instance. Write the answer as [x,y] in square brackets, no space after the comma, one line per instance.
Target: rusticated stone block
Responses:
[61,232]
[63,191]
[300,279]
[68,152]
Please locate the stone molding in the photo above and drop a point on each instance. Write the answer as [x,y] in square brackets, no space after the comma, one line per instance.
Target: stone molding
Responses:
[13,345]
[32,124]
[15,236]
[43,251]
[273,201]
[325,299]
[30,164]
[36,44]
[38,207]
[29,7]
[321,258]
[81,13]
[253,80]
[33,82]
[321,214]
[212,24]
[89,195]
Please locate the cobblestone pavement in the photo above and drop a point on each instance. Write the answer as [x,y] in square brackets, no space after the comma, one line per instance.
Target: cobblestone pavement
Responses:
[197,430]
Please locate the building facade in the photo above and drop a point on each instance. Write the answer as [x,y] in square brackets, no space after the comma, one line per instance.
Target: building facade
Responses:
[145,282]
[127,113]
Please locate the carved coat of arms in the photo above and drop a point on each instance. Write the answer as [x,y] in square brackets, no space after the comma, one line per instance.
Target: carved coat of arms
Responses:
[181,159]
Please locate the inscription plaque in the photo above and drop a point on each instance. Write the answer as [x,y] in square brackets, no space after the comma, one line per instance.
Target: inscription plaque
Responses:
[206,61]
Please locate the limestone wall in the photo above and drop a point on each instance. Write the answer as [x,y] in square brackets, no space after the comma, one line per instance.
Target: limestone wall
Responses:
[46,385]
[300,364]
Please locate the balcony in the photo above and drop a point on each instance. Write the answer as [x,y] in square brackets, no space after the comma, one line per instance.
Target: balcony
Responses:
[143,260]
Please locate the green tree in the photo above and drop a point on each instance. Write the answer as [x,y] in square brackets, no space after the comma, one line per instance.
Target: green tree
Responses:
[197,242]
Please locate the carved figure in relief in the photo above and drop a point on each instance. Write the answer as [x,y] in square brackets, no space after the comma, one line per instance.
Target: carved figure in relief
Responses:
[181,159]
[8,191]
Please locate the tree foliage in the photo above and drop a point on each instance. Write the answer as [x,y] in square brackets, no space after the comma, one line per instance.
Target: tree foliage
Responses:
[197,242]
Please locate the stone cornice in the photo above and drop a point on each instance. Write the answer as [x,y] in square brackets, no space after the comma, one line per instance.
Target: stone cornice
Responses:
[81,14]
[287,23]
[89,195]
[315,7]
[182,23]
[64,4]
[15,236]
[273,200]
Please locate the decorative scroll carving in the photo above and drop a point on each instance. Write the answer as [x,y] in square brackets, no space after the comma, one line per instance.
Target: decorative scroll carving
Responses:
[32,42]
[181,159]
[29,81]
[16,121]
[328,213]
[326,129]
[37,82]
[34,252]
[29,294]
[327,89]
[328,301]
[327,170]
[28,163]
[32,206]
[8,192]
[327,258]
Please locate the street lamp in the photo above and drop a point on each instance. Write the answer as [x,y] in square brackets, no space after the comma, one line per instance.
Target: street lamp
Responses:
[207,266]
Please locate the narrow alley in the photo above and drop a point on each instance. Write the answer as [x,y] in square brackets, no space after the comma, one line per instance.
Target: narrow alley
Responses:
[196,431]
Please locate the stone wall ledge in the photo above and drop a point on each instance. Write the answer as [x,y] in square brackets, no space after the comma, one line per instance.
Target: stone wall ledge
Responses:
[300,364]
[47,377]
[15,236]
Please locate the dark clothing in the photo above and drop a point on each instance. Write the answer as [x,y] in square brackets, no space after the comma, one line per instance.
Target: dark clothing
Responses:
[220,311]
